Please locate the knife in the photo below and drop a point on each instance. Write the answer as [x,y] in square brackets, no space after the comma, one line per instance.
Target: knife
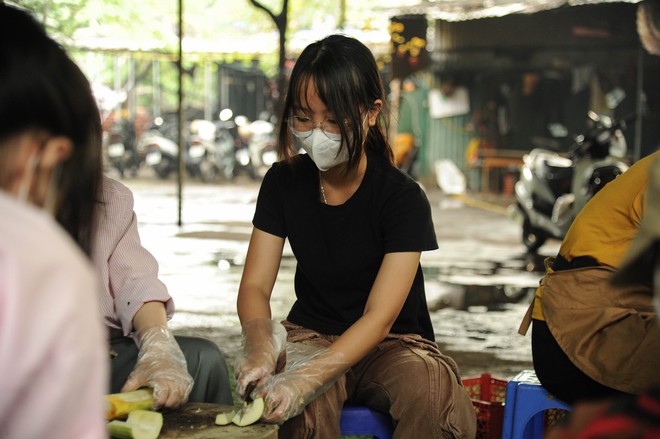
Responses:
[248,392]
[248,400]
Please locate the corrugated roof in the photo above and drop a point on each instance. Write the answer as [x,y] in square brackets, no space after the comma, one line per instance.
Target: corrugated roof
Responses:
[462,10]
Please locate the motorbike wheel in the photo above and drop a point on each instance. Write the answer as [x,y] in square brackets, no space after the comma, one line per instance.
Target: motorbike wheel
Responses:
[253,174]
[532,238]
[514,294]
[207,171]
[163,169]
[229,172]
[120,169]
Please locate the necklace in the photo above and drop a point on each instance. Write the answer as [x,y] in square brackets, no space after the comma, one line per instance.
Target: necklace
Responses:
[325,201]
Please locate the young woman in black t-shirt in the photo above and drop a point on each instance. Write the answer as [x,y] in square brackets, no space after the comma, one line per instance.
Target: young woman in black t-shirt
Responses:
[360,329]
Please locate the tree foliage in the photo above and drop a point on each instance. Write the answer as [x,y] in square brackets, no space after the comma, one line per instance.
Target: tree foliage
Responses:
[218,21]
[61,18]
[224,27]
[281,20]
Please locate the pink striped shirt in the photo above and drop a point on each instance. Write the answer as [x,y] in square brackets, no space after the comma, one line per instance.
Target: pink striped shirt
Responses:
[128,272]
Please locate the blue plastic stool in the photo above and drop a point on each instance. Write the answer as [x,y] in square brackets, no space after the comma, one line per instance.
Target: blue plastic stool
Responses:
[524,404]
[357,420]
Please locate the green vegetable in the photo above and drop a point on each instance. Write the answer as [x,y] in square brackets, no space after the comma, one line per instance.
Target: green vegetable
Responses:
[250,413]
[140,424]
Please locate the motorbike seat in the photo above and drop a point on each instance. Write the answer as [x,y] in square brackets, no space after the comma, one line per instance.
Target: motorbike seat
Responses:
[557,169]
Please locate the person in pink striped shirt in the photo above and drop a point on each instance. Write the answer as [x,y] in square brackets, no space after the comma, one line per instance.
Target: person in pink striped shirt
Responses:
[136,307]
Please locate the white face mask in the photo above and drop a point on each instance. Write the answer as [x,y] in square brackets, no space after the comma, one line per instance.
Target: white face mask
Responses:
[324,149]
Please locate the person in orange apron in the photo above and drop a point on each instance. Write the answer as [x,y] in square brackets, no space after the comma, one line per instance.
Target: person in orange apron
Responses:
[592,338]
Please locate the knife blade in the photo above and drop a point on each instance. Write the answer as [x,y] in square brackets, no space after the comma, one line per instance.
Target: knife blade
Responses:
[248,392]
[248,400]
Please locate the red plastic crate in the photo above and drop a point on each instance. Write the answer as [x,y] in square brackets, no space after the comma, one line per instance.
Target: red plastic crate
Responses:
[487,395]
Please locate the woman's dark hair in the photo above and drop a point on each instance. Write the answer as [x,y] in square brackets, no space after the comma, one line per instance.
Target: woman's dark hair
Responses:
[345,75]
[43,90]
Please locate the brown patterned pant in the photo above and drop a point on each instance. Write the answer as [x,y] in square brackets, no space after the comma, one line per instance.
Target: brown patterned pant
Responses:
[405,376]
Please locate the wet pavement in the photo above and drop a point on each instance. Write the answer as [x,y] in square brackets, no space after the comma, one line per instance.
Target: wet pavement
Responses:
[478,282]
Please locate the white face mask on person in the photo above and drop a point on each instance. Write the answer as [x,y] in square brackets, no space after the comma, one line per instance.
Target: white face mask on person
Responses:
[323,148]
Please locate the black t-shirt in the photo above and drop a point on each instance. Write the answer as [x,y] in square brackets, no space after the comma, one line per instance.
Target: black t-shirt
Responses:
[339,249]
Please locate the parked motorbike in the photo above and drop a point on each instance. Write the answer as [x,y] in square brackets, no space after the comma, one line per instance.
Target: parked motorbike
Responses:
[243,157]
[256,150]
[121,149]
[161,152]
[262,143]
[211,151]
[553,188]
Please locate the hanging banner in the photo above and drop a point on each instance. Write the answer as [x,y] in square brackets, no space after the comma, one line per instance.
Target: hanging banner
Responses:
[440,105]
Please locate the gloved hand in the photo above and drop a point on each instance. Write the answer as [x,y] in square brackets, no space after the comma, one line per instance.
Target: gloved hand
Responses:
[263,341]
[286,394]
[161,366]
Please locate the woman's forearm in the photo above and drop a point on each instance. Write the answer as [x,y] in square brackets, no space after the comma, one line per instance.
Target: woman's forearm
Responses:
[358,340]
[150,314]
[251,305]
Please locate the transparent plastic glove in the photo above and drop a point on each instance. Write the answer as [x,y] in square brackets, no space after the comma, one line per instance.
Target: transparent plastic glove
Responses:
[286,394]
[161,366]
[263,344]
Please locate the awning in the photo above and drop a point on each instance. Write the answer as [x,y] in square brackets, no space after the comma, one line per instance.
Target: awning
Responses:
[462,10]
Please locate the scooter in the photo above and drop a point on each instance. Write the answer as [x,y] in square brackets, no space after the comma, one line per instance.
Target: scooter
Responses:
[211,151]
[553,188]
[121,150]
[161,152]
[243,155]
[262,144]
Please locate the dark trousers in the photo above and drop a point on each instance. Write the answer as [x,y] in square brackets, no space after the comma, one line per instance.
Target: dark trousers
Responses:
[558,374]
[206,364]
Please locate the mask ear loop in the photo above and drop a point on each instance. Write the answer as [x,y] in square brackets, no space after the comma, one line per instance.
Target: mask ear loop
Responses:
[26,184]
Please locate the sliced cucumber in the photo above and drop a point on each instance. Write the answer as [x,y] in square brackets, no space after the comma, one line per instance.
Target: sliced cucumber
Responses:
[225,418]
[120,429]
[140,424]
[250,413]
[119,405]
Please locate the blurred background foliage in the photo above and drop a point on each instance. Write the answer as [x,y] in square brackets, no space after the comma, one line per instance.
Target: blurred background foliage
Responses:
[102,34]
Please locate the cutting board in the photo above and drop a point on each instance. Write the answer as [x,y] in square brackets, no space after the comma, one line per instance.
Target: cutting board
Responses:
[197,421]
